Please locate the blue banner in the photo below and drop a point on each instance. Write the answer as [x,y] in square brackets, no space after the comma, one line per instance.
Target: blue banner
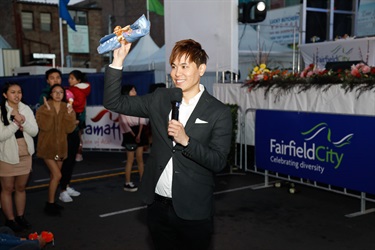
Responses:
[330,148]
[32,85]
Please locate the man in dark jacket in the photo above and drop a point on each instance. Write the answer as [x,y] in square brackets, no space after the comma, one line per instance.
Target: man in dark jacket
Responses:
[187,150]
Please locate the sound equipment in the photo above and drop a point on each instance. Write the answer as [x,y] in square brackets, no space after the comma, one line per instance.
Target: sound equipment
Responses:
[334,66]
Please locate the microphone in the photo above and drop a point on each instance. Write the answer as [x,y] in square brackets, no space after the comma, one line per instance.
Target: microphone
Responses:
[175,110]
[176,98]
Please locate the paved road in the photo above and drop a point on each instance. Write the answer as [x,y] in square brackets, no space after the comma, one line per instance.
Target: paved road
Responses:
[96,164]
[106,217]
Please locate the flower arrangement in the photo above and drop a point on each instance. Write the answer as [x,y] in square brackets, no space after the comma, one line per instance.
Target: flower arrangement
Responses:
[360,77]
[259,71]
[362,70]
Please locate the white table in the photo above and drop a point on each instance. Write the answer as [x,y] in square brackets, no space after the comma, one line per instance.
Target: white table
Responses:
[334,100]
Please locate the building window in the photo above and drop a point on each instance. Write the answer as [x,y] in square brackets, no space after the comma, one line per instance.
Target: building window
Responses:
[329,20]
[45,21]
[79,17]
[27,20]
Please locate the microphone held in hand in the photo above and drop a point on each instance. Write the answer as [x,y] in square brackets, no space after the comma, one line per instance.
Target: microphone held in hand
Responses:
[175,94]
[176,98]
[175,110]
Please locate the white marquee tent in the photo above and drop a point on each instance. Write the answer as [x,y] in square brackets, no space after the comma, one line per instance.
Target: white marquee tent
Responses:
[155,61]
[146,55]
[139,57]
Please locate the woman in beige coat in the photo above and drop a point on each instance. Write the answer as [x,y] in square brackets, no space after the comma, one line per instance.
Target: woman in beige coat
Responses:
[56,119]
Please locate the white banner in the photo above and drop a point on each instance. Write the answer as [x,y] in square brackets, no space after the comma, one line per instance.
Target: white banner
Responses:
[281,25]
[339,51]
[103,130]
[366,18]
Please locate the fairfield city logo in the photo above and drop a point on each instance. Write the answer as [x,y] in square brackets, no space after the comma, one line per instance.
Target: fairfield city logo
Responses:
[327,152]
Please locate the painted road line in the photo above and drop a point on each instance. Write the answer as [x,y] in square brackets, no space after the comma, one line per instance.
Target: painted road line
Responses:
[235,189]
[84,174]
[143,207]
[122,211]
[81,180]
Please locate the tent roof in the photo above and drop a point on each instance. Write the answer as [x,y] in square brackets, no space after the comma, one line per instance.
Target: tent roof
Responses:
[4,44]
[142,51]
[156,61]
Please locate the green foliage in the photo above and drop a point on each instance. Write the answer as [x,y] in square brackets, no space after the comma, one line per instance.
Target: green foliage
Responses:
[359,78]
[234,112]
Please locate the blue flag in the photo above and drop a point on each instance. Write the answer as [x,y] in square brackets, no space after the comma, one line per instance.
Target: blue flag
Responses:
[64,13]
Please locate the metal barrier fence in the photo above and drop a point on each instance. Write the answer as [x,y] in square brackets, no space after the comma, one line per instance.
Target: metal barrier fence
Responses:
[243,165]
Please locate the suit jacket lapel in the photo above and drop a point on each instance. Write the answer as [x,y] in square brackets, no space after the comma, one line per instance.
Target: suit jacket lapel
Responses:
[199,109]
[161,117]
[168,139]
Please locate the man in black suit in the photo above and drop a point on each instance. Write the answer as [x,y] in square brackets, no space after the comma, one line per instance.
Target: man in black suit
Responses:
[187,151]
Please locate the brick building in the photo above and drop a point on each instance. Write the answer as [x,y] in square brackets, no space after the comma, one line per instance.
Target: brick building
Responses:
[33,27]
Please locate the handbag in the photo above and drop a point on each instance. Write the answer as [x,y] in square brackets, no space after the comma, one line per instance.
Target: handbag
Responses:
[130,146]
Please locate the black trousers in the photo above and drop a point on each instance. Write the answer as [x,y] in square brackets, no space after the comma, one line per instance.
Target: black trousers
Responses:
[70,161]
[170,232]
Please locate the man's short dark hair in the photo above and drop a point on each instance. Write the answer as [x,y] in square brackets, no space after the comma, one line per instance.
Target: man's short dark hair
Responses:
[52,70]
[192,49]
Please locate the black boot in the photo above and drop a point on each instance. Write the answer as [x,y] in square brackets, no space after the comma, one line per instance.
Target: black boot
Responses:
[13,225]
[58,206]
[21,220]
[51,209]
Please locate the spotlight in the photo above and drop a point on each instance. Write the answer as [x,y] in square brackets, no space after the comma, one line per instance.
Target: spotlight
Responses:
[261,6]
[252,12]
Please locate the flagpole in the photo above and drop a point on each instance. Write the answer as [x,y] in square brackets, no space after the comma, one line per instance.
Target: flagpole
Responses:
[148,12]
[148,18]
[61,44]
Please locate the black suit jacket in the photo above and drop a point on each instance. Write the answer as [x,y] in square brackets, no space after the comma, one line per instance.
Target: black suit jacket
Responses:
[209,129]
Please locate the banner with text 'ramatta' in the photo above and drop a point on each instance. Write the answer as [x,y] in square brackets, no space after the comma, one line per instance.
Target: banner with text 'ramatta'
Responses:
[330,148]
[102,129]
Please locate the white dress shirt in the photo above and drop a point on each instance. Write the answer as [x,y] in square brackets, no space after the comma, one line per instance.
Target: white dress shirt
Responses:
[164,185]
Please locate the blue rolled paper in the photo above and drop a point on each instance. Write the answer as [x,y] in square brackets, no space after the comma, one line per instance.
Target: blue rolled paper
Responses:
[140,28]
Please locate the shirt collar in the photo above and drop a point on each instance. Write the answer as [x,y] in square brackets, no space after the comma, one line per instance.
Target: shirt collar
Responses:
[195,99]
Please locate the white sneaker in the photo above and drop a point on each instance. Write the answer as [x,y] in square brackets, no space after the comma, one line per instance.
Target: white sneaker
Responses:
[72,192]
[130,187]
[65,197]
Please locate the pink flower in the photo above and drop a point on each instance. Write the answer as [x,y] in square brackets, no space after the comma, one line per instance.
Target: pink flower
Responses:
[316,70]
[355,72]
[366,69]
[259,77]
[359,65]
[310,73]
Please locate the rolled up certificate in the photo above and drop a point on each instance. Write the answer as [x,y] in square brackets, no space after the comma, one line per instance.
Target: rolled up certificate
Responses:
[130,33]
